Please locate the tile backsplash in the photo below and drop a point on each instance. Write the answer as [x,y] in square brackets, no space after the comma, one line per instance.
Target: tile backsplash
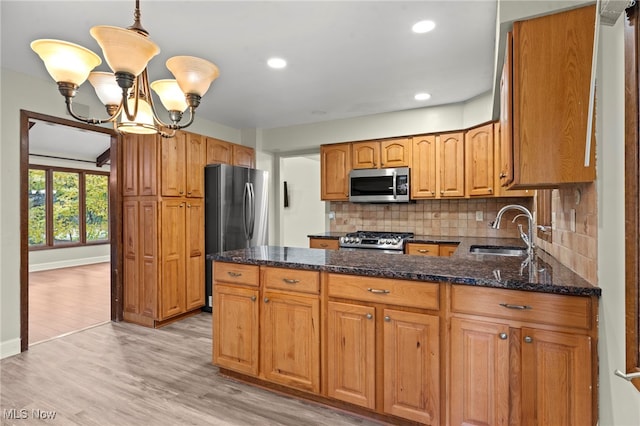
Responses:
[578,250]
[430,217]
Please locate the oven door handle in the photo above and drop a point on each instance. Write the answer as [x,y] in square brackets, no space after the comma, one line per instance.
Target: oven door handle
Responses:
[395,179]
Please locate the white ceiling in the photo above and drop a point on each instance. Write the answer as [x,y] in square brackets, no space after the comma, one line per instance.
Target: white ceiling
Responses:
[346,58]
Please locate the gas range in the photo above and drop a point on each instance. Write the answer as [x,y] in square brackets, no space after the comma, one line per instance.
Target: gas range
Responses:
[391,242]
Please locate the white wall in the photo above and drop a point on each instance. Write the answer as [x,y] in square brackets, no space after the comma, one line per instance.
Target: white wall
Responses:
[619,400]
[306,212]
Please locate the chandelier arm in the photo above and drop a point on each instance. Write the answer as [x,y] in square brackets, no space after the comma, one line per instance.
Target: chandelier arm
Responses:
[192,115]
[69,102]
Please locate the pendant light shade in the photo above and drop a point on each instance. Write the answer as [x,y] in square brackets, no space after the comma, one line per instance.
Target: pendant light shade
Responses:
[66,62]
[142,123]
[106,87]
[194,75]
[170,94]
[124,50]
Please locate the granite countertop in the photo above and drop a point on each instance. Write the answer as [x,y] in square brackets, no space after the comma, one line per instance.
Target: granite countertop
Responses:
[541,274]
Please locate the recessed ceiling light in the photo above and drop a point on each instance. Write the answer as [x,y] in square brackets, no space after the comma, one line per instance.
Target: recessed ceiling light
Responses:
[423,27]
[422,97]
[277,63]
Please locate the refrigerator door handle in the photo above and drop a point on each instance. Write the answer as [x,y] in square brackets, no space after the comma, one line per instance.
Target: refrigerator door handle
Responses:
[252,209]
[246,195]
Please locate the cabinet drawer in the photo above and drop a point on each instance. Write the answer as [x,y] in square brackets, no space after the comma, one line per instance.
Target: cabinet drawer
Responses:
[324,243]
[383,290]
[292,280]
[552,309]
[236,273]
[423,249]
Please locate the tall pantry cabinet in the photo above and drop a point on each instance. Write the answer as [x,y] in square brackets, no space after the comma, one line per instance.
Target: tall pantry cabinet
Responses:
[163,219]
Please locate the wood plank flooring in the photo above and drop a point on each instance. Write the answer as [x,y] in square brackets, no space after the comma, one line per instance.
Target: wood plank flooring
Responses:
[66,300]
[124,374]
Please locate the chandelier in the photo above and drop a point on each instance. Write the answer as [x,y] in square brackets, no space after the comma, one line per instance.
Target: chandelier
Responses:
[126,91]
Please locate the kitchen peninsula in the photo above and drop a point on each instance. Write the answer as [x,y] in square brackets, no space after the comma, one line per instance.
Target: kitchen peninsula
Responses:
[434,340]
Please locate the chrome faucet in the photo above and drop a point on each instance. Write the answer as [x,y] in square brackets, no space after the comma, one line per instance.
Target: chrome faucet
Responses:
[528,237]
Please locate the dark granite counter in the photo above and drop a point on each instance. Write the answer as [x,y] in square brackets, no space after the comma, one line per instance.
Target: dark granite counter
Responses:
[542,274]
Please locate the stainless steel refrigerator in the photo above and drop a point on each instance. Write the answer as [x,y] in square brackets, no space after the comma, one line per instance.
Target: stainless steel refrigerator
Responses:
[236,212]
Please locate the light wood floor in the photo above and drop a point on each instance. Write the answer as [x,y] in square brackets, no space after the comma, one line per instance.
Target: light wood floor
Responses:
[65,300]
[124,374]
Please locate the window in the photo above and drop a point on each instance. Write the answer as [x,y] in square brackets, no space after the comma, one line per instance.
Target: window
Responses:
[67,207]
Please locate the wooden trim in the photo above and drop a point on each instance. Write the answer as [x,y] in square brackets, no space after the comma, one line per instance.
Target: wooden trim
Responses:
[632,192]
[114,218]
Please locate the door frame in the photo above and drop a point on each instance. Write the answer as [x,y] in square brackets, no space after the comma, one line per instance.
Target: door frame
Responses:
[115,219]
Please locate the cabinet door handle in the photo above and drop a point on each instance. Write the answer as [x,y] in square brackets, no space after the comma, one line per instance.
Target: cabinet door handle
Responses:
[378,291]
[188,205]
[369,316]
[234,274]
[253,298]
[290,281]
[528,339]
[503,336]
[442,192]
[520,307]
[324,245]
[266,300]
[490,189]
[503,175]
[181,205]
[423,251]
[189,193]
[181,192]
[387,318]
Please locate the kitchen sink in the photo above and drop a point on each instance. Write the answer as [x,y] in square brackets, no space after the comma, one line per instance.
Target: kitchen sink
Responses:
[499,250]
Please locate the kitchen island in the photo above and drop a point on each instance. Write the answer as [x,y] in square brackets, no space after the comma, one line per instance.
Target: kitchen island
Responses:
[433,340]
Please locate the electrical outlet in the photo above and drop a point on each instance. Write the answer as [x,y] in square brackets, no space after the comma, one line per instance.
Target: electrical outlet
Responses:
[479,215]
[332,215]
[572,220]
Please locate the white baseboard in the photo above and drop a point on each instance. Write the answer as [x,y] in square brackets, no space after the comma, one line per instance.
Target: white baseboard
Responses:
[9,348]
[68,263]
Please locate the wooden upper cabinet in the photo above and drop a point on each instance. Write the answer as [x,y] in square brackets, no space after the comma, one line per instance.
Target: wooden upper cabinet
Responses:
[479,158]
[223,152]
[173,165]
[395,152]
[450,157]
[505,158]
[381,154]
[196,156]
[501,190]
[423,169]
[366,155]
[218,151]
[551,80]
[335,165]
[243,156]
[140,165]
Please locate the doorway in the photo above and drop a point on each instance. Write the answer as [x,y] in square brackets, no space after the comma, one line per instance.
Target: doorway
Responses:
[84,235]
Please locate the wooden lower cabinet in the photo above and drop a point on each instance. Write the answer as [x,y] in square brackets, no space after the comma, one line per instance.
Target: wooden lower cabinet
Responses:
[235,328]
[383,357]
[324,243]
[479,373]
[506,371]
[351,349]
[411,379]
[290,345]
[424,353]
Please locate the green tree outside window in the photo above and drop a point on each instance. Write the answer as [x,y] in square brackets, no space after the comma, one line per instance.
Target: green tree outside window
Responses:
[37,207]
[66,207]
[97,207]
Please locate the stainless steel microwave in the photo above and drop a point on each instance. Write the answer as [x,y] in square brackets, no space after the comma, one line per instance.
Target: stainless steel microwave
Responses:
[379,185]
